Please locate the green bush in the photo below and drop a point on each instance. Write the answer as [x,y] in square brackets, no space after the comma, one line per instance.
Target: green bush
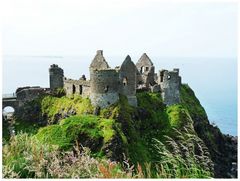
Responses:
[59,92]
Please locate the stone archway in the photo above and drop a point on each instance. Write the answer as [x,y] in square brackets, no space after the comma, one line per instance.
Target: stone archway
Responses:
[8,112]
[9,105]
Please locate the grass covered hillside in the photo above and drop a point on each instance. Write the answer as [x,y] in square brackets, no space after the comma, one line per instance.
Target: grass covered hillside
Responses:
[150,141]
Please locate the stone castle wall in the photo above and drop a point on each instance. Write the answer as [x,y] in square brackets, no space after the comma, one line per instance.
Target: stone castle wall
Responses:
[128,81]
[80,87]
[104,86]
[25,94]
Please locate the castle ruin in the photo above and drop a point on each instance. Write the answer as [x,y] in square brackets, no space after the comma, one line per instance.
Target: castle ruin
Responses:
[106,83]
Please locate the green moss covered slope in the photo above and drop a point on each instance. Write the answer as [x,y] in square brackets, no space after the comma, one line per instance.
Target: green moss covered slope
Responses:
[153,135]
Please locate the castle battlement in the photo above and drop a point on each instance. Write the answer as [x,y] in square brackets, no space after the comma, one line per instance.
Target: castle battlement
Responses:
[106,84]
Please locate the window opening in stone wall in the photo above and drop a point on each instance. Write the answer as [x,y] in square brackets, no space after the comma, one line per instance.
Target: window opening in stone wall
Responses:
[169,77]
[146,68]
[161,77]
[125,82]
[74,89]
[106,89]
[80,89]
[141,70]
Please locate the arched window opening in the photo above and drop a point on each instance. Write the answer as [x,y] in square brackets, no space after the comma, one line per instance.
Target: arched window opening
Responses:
[73,89]
[169,77]
[146,69]
[125,81]
[141,70]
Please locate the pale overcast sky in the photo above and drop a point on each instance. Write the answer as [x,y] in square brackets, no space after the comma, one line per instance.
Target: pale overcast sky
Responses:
[68,27]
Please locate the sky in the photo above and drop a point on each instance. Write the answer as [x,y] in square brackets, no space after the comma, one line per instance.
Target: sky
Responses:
[119,27]
[200,38]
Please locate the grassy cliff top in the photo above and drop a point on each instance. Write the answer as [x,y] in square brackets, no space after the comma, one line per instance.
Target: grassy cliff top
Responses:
[152,135]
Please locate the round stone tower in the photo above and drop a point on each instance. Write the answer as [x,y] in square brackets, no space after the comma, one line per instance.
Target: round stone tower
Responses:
[104,82]
[56,77]
[104,87]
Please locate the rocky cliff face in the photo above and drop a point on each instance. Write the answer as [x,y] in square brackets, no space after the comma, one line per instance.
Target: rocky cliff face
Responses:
[223,148]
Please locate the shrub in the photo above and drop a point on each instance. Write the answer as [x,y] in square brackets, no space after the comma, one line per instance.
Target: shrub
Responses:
[59,92]
[25,157]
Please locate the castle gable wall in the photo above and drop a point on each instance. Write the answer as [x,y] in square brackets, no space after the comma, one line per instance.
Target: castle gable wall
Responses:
[128,76]
[99,62]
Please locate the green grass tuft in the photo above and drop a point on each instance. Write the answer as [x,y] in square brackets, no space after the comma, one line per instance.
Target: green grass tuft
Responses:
[51,106]
[191,103]
[71,129]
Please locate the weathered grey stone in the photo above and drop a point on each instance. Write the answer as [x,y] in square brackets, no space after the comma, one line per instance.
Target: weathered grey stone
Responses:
[170,83]
[146,70]
[29,93]
[56,75]
[104,100]
[106,84]
[99,62]
[132,100]
[80,87]
[127,75]
[104,87]
[155,88]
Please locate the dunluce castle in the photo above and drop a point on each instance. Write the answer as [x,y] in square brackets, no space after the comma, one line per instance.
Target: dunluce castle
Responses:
[106,84]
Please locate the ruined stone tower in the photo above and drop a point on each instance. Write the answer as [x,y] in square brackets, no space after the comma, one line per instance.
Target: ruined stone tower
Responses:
[170,83]
[104,82]
[56,77]
[145,74]
[128,77]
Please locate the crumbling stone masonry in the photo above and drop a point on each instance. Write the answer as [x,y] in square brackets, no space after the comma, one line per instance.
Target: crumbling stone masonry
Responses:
[170,83]
[106,84]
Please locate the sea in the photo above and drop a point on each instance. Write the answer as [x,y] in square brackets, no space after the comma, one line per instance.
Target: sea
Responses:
[214,80]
